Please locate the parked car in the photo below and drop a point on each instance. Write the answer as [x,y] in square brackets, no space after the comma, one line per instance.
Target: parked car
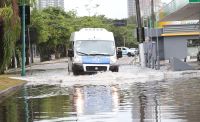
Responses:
[126,51]
[135,51]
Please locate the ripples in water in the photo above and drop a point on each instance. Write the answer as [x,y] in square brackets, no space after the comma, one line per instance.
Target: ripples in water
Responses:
[166,101]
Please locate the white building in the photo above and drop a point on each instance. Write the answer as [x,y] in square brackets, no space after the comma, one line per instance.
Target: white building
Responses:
[53,3]
[131,8]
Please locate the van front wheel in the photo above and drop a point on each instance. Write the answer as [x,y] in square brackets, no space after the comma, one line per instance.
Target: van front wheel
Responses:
[115,69]
[76,72]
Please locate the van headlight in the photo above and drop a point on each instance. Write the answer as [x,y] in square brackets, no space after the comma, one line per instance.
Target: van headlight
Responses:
[113,60]
[77,59]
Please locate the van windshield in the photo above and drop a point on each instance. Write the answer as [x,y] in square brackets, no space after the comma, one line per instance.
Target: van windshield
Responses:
[95,47]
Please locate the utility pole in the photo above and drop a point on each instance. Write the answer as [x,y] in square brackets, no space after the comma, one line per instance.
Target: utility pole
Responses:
[23,72]
[140,29]
[152,14]
[153,20]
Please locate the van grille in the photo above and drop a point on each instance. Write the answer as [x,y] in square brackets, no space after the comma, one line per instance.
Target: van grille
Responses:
[96,68]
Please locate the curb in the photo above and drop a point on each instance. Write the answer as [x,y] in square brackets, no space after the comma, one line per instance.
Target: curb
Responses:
[7,92]
[182,74]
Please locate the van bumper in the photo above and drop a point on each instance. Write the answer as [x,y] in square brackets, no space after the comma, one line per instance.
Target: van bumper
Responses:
[94,67]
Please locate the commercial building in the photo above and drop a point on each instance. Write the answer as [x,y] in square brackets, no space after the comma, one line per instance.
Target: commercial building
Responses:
[178,35]
[180,29]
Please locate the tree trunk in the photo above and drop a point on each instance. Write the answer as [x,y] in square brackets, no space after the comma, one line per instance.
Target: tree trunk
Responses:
[31,51]
[27,55]
[44,52]
[1,44]
[15,9]
[13,60]
[18,57]
[57,54]
[66,50]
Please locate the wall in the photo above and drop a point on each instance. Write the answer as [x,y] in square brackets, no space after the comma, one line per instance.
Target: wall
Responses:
[176,46]
[160,47]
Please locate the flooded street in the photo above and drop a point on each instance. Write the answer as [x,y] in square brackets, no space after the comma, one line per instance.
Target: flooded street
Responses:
[131,95]
[164,101]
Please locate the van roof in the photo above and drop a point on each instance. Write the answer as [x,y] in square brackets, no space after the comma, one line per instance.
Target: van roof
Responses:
[92,34]
[93,30]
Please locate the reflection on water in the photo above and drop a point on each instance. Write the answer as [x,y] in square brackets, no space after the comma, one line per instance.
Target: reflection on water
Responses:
[151,101]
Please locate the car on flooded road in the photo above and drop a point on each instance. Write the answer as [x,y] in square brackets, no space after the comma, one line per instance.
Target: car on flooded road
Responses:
[126,51]
[134,51]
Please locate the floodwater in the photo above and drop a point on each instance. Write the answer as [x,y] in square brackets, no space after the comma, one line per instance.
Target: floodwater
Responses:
[159,101]
[131,95]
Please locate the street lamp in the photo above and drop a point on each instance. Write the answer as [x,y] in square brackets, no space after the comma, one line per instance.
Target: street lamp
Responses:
[23,72]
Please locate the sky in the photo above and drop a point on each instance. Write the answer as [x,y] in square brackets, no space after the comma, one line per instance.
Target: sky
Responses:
[115,9]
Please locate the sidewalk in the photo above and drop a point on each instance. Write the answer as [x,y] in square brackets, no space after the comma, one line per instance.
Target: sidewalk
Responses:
[40,66]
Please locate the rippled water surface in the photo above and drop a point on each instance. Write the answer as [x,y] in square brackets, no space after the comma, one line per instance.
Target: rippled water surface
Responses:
[159,101]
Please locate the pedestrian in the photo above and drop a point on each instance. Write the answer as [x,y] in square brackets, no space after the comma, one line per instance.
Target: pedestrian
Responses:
[119,53]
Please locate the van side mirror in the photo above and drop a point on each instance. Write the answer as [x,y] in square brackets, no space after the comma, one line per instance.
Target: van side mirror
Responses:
[70,53]
[119,54]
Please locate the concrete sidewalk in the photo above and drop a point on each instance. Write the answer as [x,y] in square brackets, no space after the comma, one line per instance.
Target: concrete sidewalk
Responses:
[41,66]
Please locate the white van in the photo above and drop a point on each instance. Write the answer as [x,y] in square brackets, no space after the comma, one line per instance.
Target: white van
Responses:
[93,49]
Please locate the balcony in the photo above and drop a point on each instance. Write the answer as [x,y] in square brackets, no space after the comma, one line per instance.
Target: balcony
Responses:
[178,10]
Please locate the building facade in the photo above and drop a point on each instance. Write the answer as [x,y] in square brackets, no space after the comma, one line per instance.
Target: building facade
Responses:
[145,7]
[131,8]
[53,3]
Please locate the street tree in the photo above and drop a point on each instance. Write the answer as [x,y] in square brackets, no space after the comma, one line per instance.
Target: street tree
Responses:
[53,27]
[10,28]
[10,31]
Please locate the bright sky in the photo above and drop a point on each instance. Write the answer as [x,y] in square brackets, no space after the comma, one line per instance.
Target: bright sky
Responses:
[116,9]
[166,1]
[109,8]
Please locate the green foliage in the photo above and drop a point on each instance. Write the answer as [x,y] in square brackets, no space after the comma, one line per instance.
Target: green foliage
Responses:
[27,2]
[132,20]
[11,30]
[131,40]
[4,2]
[93,22]
[125,34]
[20,2]
[38,22]
[53,26]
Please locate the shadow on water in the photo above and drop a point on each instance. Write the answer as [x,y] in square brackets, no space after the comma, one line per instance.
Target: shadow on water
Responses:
[151,101]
